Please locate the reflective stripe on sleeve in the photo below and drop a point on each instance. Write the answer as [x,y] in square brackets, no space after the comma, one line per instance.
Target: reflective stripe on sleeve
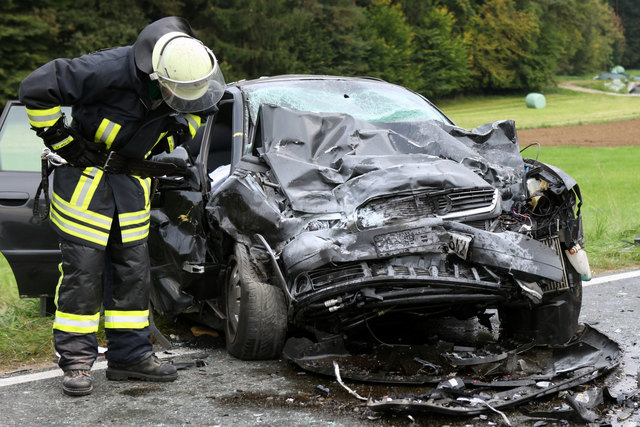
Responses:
[44,118]
[154,144]
[120,319]
[79,323]
[107,132]
[194,123]
[59,145]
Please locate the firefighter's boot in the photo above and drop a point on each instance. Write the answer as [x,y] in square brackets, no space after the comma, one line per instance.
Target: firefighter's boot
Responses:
[77,382]
[149,369]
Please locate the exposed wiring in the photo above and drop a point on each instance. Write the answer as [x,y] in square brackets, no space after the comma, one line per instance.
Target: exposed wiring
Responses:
[531,145]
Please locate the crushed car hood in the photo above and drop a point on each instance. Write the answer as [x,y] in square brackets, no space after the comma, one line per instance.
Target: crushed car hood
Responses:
[332,163]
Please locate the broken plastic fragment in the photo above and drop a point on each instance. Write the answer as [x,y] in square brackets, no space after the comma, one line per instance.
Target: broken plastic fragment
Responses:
[337,372]
[474,401]
[322,390]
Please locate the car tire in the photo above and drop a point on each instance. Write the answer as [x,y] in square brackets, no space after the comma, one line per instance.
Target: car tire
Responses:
[553,322]
[256,312]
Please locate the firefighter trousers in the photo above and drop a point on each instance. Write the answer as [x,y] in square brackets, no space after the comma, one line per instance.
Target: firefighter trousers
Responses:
[118,278]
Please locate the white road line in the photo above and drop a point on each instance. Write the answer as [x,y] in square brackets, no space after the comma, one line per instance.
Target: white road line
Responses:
[20,379]
[612,278]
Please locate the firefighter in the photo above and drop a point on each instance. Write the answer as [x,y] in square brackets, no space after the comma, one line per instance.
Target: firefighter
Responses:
[128,103]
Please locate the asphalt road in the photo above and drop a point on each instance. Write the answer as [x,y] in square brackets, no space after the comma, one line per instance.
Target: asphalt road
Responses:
[216,389]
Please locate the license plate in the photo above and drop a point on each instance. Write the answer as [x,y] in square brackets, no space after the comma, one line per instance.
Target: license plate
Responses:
[405,241]
[460,243]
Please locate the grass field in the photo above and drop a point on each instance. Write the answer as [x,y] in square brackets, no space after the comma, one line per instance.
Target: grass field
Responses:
[610,185]
[563,108]
[24,336]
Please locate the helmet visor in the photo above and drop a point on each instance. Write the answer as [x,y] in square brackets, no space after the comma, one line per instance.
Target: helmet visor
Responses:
[195,95]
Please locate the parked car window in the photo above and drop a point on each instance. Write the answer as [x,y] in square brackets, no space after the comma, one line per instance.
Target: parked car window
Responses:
[371,101]
[20,147]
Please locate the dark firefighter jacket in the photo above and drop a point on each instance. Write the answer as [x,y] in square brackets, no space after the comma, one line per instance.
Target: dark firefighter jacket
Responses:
[112,107]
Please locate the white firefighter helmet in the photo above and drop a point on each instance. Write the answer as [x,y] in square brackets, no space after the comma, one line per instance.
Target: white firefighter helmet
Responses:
[187,71]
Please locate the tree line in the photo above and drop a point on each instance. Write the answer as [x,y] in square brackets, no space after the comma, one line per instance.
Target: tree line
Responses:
[436,47]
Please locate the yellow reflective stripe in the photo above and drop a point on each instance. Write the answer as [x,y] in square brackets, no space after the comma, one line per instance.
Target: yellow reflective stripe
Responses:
[133,234]
[107,132]
[79,230]
[44,118]
[170,143]
[79,323]
[134,319]
[238,134]
[86,187]
[134,218]
[59,145]
[154,144]
[87,217]
[146,188]
[194,123]
[55,298]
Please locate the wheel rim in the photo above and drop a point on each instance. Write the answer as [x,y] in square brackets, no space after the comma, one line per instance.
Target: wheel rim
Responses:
[234,294]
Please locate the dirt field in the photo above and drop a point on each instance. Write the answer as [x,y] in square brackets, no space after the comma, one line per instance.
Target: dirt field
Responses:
[599,135]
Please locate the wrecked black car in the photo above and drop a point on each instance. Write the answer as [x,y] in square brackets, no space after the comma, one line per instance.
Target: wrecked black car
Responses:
[326,206]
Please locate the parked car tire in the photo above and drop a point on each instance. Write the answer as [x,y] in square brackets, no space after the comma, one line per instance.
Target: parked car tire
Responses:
[256,312]
[553,322]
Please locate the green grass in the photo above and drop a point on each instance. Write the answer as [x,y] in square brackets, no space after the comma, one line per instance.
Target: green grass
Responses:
[610,185]
[24,336]
[563,108]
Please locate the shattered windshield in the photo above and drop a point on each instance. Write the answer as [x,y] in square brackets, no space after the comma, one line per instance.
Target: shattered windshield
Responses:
[370,101]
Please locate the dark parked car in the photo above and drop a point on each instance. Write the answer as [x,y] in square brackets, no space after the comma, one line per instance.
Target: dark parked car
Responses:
[325,206]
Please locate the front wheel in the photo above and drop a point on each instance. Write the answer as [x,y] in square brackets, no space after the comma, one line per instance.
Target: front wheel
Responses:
[256,324]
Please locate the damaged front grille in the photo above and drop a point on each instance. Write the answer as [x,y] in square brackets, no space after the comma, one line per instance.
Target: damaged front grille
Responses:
[342,297]
[547,285]
[368,272]
[443,203]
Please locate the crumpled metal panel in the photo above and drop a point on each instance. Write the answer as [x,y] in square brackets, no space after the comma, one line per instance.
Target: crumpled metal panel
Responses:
[176,237]
[524,257]
[330,163]
[314,154]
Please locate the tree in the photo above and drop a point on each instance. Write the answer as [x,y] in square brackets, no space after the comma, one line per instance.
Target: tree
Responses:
[501,38]
[249,37]
[24,35]
[390,49]
[327,38]
[629,14]
[601,32]
[442,55]
[101,25]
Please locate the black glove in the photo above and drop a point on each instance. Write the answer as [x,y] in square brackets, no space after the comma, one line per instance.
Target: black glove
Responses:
[66,143]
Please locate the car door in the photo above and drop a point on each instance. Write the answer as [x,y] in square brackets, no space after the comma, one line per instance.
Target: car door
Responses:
[185,265]
[29,244]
